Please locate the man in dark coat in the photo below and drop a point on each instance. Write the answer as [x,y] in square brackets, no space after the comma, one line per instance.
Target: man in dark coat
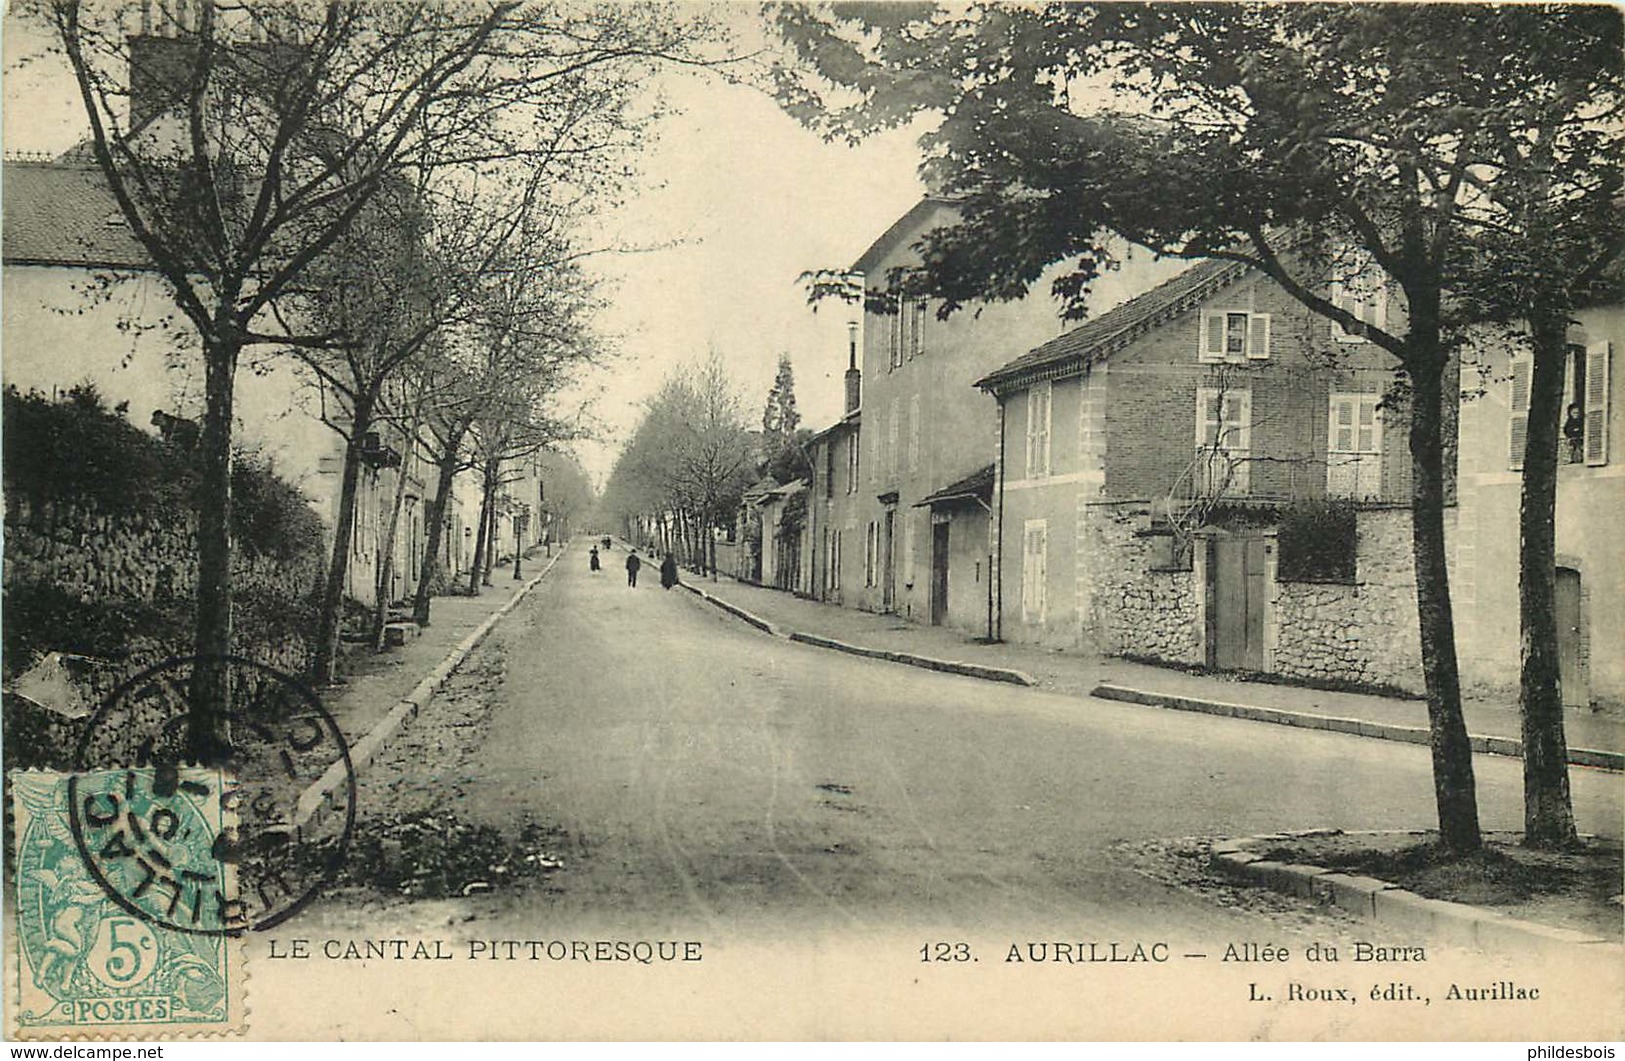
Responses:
[668,572]
[593,559]
[632,565]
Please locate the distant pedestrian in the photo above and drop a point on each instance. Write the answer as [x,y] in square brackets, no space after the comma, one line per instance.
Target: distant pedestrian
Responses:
[668,572]
[606,543]
[632,565]
[592,558]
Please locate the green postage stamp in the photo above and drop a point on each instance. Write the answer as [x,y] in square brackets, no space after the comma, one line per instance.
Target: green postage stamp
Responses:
[124,908]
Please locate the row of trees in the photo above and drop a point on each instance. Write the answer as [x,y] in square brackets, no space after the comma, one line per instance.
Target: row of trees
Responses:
[688,462]
[387,192]
[1469,153]
[691,458]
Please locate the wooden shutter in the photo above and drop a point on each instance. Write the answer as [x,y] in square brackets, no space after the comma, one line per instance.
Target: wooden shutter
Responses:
[1596,410]
[1518,421]
[1210,346]
[1258,337]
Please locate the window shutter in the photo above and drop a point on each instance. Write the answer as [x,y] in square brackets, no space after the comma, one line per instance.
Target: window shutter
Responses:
[1211,346]
[1596,411]
[1258,338]
[1518,422]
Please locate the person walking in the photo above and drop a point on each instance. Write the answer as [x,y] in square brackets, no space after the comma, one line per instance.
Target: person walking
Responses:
[632,565]
[592,559]
[668,572]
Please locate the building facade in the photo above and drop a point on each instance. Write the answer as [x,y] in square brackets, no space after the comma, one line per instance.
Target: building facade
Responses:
[1209,474]
[1590,501]
[919,426]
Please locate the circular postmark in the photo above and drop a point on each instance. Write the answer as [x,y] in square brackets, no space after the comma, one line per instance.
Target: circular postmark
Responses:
[241,837]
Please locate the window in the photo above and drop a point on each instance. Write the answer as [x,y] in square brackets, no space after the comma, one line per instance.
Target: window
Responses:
[874,454]
[829,468]
[1038,424]
[854,451]
[1583,434]
[891,440]
[1034,569]
[914,433]
[1233,336]
[1365,295]
[1354,447]
[907,331]
[1224,429]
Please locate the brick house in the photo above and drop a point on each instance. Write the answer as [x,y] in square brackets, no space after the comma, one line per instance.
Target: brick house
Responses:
[1590,499]
[1163,479]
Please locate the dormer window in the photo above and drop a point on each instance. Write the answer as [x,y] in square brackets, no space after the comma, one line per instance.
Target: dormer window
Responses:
[1233,336]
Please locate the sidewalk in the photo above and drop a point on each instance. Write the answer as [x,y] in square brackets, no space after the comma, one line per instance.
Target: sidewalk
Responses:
[1086,675]
[370,708]
[378,682]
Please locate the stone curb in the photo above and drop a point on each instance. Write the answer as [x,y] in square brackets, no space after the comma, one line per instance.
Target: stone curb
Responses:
[735,610]
[946,666]
[1602,760]
[317,801]
[1389,905]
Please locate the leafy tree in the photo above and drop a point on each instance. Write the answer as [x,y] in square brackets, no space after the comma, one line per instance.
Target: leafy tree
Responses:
[1309,141]
[1550,236]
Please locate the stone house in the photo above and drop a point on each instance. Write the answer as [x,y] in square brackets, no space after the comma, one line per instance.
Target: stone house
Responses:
[1209,474]
[1590,502]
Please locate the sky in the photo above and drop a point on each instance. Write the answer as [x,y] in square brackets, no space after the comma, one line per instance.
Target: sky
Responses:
[736,198]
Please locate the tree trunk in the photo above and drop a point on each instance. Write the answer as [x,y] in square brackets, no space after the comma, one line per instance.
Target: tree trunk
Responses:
[1548,812]
[207,735]
[1453,785]
[493,542]
[436,527]
[324,667]
[482,544]
[385,579]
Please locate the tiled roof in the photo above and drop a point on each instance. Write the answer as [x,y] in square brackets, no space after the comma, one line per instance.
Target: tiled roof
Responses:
[978,484]
[63,214]
[1095,340]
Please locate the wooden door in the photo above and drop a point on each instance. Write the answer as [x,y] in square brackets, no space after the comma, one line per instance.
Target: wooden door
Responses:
[1236,594]
[939,573]
[888,567]
[1575,693]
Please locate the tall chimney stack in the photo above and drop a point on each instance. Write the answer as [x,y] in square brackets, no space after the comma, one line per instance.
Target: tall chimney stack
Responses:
[854,378]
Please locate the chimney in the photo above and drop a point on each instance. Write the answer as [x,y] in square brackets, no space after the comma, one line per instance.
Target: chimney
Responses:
[854,378]
[160,68]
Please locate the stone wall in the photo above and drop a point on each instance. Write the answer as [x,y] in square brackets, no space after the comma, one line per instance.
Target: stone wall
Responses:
[1129,607]
[146,563]
[1365,632]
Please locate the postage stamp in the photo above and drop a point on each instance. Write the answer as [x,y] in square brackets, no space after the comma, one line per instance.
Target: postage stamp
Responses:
[98,942]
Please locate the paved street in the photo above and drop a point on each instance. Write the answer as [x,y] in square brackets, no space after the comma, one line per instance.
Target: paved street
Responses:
[814,819]
[713,777]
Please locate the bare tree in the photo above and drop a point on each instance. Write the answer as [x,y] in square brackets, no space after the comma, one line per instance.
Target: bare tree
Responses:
[245,141]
